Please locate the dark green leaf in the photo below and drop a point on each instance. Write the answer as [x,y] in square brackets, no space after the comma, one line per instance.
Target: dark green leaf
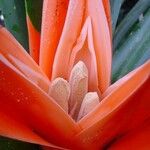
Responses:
[129,20]
[15,21]
[134,51]
[9,144]
[34,11]
[115,9]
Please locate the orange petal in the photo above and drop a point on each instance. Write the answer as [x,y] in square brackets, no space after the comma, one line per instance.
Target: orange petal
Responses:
[53,17]
[34,40]
[84,51]
[9,45]
[14,52]
[138,139]
[120,94]
[71,31]
[125,108]
[106,4]
[102,42]
[120,82]
[32,75]
[37,110]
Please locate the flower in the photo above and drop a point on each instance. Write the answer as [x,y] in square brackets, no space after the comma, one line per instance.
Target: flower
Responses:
[74,46]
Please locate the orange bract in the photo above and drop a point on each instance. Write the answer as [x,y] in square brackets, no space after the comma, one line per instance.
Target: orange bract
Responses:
[28,100]
[70,33]
[34,41]
[106,4]
[53,18]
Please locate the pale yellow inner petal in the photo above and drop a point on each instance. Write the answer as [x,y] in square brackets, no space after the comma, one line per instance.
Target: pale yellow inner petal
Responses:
[60,91]
[79,87]
[73,96]
[90,101]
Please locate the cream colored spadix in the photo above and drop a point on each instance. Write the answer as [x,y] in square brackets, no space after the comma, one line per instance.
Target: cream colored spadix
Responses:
[79,86]
[90,101]
[60,91]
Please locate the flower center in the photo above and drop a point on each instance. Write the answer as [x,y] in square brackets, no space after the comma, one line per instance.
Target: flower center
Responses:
[73,95]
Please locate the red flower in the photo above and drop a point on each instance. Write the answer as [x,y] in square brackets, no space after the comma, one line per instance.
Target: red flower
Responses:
[30,112]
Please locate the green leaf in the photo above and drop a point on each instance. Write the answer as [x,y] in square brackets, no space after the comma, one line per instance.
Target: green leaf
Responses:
[15,21]
[34,11]
[115,9]
[129,20]
[9,144]
[134,51]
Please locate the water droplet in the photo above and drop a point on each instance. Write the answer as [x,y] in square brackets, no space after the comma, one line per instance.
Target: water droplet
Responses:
[18,100]
[26,98]
[12,93]
[21,93]
[14,7]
